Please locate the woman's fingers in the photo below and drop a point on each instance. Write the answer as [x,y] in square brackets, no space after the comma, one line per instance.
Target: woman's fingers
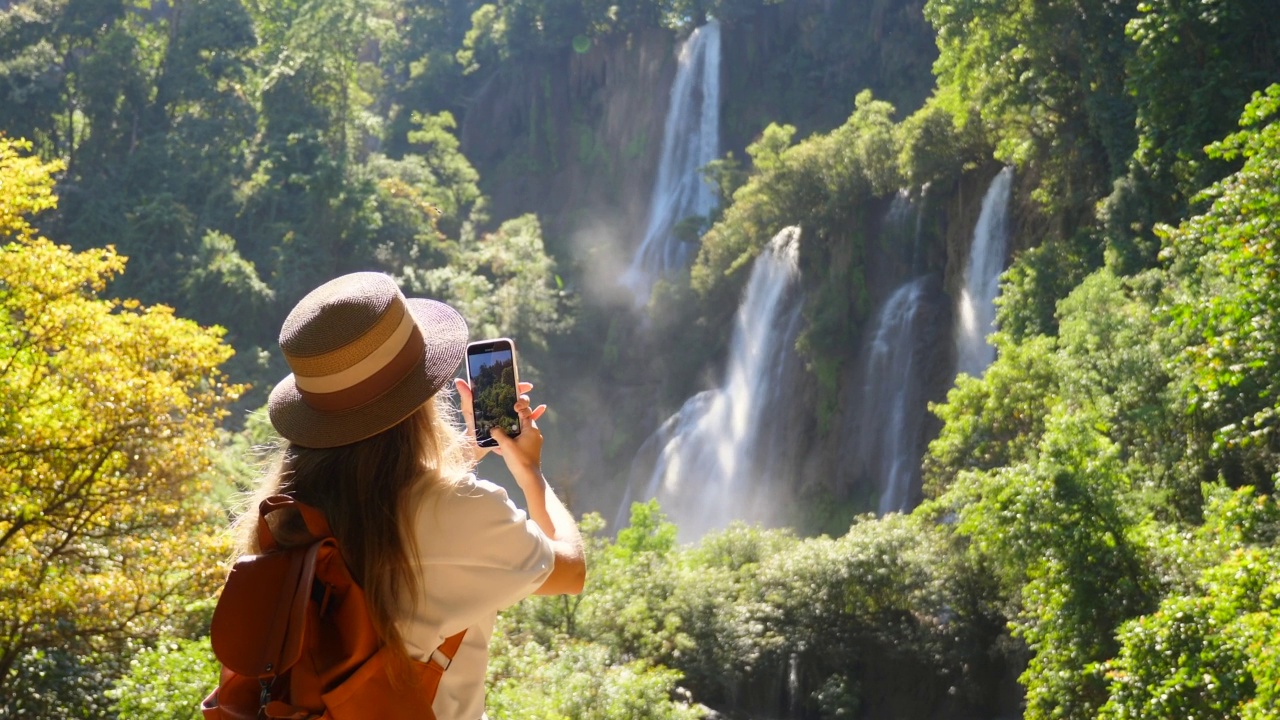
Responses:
[464,396]
[527,413]
[523,407]
[468,416]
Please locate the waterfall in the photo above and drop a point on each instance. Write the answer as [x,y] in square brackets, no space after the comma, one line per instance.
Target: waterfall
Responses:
[892,404]
[708,459]
[690,140]
[898,230]
[976,312]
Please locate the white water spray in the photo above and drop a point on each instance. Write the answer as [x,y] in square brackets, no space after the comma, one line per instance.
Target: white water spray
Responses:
[709,469]
[976,311]
[690,140]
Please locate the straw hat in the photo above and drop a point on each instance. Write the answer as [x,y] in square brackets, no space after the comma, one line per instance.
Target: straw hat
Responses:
[363,357]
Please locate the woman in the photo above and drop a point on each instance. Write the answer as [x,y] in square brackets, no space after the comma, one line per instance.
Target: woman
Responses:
[372,439]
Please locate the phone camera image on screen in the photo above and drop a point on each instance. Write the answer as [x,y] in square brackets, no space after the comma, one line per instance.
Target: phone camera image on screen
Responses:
[491,370]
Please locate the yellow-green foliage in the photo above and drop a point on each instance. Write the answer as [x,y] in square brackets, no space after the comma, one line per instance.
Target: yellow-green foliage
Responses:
[108,410]
[26,190]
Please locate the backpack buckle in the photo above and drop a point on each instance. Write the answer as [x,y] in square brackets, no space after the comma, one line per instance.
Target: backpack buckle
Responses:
[265,696]
[439,658]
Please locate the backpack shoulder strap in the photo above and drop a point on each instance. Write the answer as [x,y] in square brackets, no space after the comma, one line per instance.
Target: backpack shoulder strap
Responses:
[440,660]
[312,517]
[443,655]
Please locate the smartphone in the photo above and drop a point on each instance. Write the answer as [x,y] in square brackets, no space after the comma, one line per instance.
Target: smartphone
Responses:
[491,370]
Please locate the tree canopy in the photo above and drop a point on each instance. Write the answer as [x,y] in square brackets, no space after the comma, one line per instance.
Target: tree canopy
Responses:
[107,417]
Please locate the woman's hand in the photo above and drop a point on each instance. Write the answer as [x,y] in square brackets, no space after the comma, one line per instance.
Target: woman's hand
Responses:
[523,453]
[527,424]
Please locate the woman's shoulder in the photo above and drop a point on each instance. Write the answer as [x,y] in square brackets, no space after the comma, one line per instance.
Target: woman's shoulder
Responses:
[467,496]
[468,488]
[474,521]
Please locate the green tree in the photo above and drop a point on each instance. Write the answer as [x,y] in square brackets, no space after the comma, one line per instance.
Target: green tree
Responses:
[935,149]
[573,680]
[858,614]
[167,681]
[504,284]
[452,186]
[153,119]
[73,75]
[1042,78]
[607,652]
[1208,654]
[106,415]
[1192,65]
[1062,533]
[996,420]
[1115,356]
[219,270]
[1223,293]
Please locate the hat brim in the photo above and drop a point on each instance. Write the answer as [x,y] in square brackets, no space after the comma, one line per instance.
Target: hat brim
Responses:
[444,333]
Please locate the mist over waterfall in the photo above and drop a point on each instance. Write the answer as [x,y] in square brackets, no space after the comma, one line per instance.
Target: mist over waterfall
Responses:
[893,405]
[709,463]
[976,311]
[690,140]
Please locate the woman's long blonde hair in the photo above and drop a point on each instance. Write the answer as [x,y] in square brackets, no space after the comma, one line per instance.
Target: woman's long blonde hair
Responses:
[369,492]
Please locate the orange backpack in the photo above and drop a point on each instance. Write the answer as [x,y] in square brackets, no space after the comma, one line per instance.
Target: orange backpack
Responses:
[293,633]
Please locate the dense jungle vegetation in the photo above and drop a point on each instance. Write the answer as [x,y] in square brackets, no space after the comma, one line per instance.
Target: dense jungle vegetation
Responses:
[1100,532]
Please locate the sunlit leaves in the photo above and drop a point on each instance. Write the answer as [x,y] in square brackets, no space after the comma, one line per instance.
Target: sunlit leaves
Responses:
[451,186]
[485,43]
[996,420]
[573,680]
[26,190]
[107,413]
[1224,292]
[1208,655]
[167,681]
[503,283]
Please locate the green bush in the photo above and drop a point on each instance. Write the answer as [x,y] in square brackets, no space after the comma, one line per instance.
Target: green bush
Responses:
[167,682]
[1206,656]
[575,680]
[57,683]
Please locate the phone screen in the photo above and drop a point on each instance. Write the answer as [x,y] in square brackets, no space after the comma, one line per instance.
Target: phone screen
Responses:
[491,370]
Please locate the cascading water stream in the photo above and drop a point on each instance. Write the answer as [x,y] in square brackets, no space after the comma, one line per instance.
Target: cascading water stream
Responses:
[707,467]
[690,140]
[898,229]
[976,311]
[891,409]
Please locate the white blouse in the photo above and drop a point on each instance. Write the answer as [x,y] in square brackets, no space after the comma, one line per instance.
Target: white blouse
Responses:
[478,554]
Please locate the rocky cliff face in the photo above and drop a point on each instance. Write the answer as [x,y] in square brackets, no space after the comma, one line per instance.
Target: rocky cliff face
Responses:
[574,137]
[803,62]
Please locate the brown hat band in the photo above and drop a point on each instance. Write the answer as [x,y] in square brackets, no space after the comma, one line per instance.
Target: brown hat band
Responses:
[369,378]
